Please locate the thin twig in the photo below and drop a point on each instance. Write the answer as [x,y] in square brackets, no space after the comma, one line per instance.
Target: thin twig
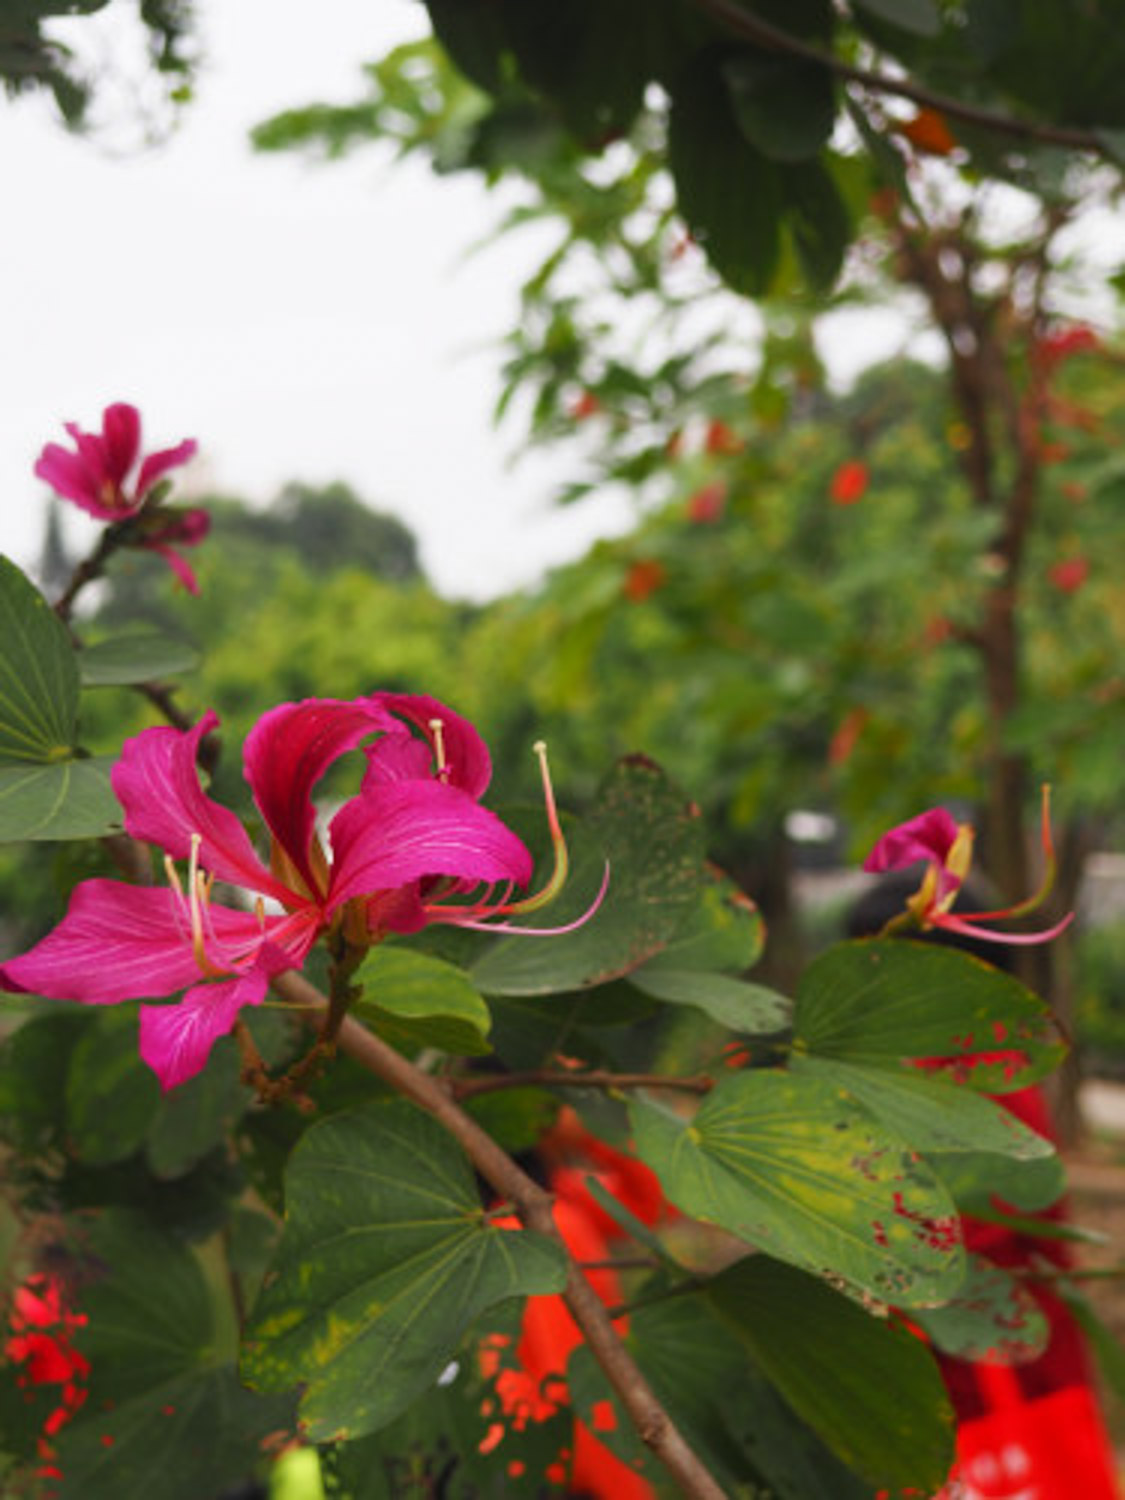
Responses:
[533,1205]
[597,1078]
[751,27]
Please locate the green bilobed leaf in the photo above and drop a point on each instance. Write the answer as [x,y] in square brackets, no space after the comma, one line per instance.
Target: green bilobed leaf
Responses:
[921,17]
[728,192]
[423,1000]
[867,1386]
[977,1179]
[653,842]
[819,221]
[724,934]
[785,107]
[34,1065]
[195,1117]
[749,1008]
[112,1097]
[993,1316]
[788,1164]
[931,1114]
[38,676]
[164,1396]
[883,1003]
[385,1262]
[134,658]
[72,799]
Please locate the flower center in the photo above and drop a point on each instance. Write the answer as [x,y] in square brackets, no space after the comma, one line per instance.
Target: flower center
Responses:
[197,900]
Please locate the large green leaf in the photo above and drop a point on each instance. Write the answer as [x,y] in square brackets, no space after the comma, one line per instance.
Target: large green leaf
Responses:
[931,1114]
[34,1064]
[993,1316]
[164,1397]
[784,106]
[195,1117]
[734,1003]
[787,1163]
[653,841]
[385,1261]
[723,934]
[412,997]
[819,221]
[867,1386]
[71,799]
[38,676]
[112,1097]
[887,1002]
[129,659]
[728,191]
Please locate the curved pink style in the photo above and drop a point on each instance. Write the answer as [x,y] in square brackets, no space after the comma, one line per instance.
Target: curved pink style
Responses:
[94,475]
[410,835]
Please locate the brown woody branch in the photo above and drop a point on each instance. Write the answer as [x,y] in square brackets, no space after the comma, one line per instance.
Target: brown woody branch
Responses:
[533,1205]
[753,29]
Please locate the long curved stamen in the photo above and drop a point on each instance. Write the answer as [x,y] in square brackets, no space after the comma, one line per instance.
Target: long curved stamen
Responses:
[199,887]
[480,924]
[558,842]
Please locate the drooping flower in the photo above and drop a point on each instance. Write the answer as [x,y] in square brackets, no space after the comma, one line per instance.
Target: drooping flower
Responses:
[411,847]
[946,847]
[95,475]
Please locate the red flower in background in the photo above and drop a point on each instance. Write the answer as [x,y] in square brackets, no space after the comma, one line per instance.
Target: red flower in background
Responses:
[1064,343]
[1069,574]
[95,476]
[41,1346]
[850,482]
[585,405]
[644,578]
[722,439]
[927,132]
[707,504]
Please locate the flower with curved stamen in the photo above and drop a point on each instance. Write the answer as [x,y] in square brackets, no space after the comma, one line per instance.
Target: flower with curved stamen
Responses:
[95,473]
[946,846]
[414,834]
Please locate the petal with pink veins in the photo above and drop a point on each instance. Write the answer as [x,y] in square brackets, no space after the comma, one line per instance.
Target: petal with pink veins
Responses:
[395,834]
[157,784]
[467,760]
[289,750]
[122,942]
[121,439]
[176,1040]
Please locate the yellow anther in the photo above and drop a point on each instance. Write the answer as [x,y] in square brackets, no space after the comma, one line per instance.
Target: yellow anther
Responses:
[437,729]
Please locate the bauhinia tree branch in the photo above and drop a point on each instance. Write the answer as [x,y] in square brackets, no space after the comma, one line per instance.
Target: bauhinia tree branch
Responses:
[596,1078]
[753,29]
[533,1205]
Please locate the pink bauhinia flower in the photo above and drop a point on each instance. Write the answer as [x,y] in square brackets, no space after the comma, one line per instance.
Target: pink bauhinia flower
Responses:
[946,846]
[410,848]
[95,476]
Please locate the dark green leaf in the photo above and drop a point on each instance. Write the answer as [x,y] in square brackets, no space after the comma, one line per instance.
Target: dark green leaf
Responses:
[195,1117]
[385,1261]
[472,32]
[784,106]
[734,1003]
[653,841]
[728,192]
[994,1316]
[724,934]
[836,1365]
[34,1063]
[818,218]
[921,17]
[975,1180]
[887,1002]
[787,1164]
[72,799]
[112,1097]
[135,658]
[931,1114]
[431,1003]
[163,1394]
[38,676]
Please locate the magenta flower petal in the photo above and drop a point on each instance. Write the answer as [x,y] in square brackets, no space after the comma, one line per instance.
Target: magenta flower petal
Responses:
[929,836]
[467,761]
[286,754]
[116,942]
[121,440]
[404,831]
[176,1040]
[179,565]
[70,476]
[156,465]
[157,784]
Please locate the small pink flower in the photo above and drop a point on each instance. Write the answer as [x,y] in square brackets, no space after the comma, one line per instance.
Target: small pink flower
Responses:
[95,476]
[946,846]
[410,848]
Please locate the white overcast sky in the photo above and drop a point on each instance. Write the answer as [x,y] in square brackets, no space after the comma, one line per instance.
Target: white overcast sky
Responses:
[301,321]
